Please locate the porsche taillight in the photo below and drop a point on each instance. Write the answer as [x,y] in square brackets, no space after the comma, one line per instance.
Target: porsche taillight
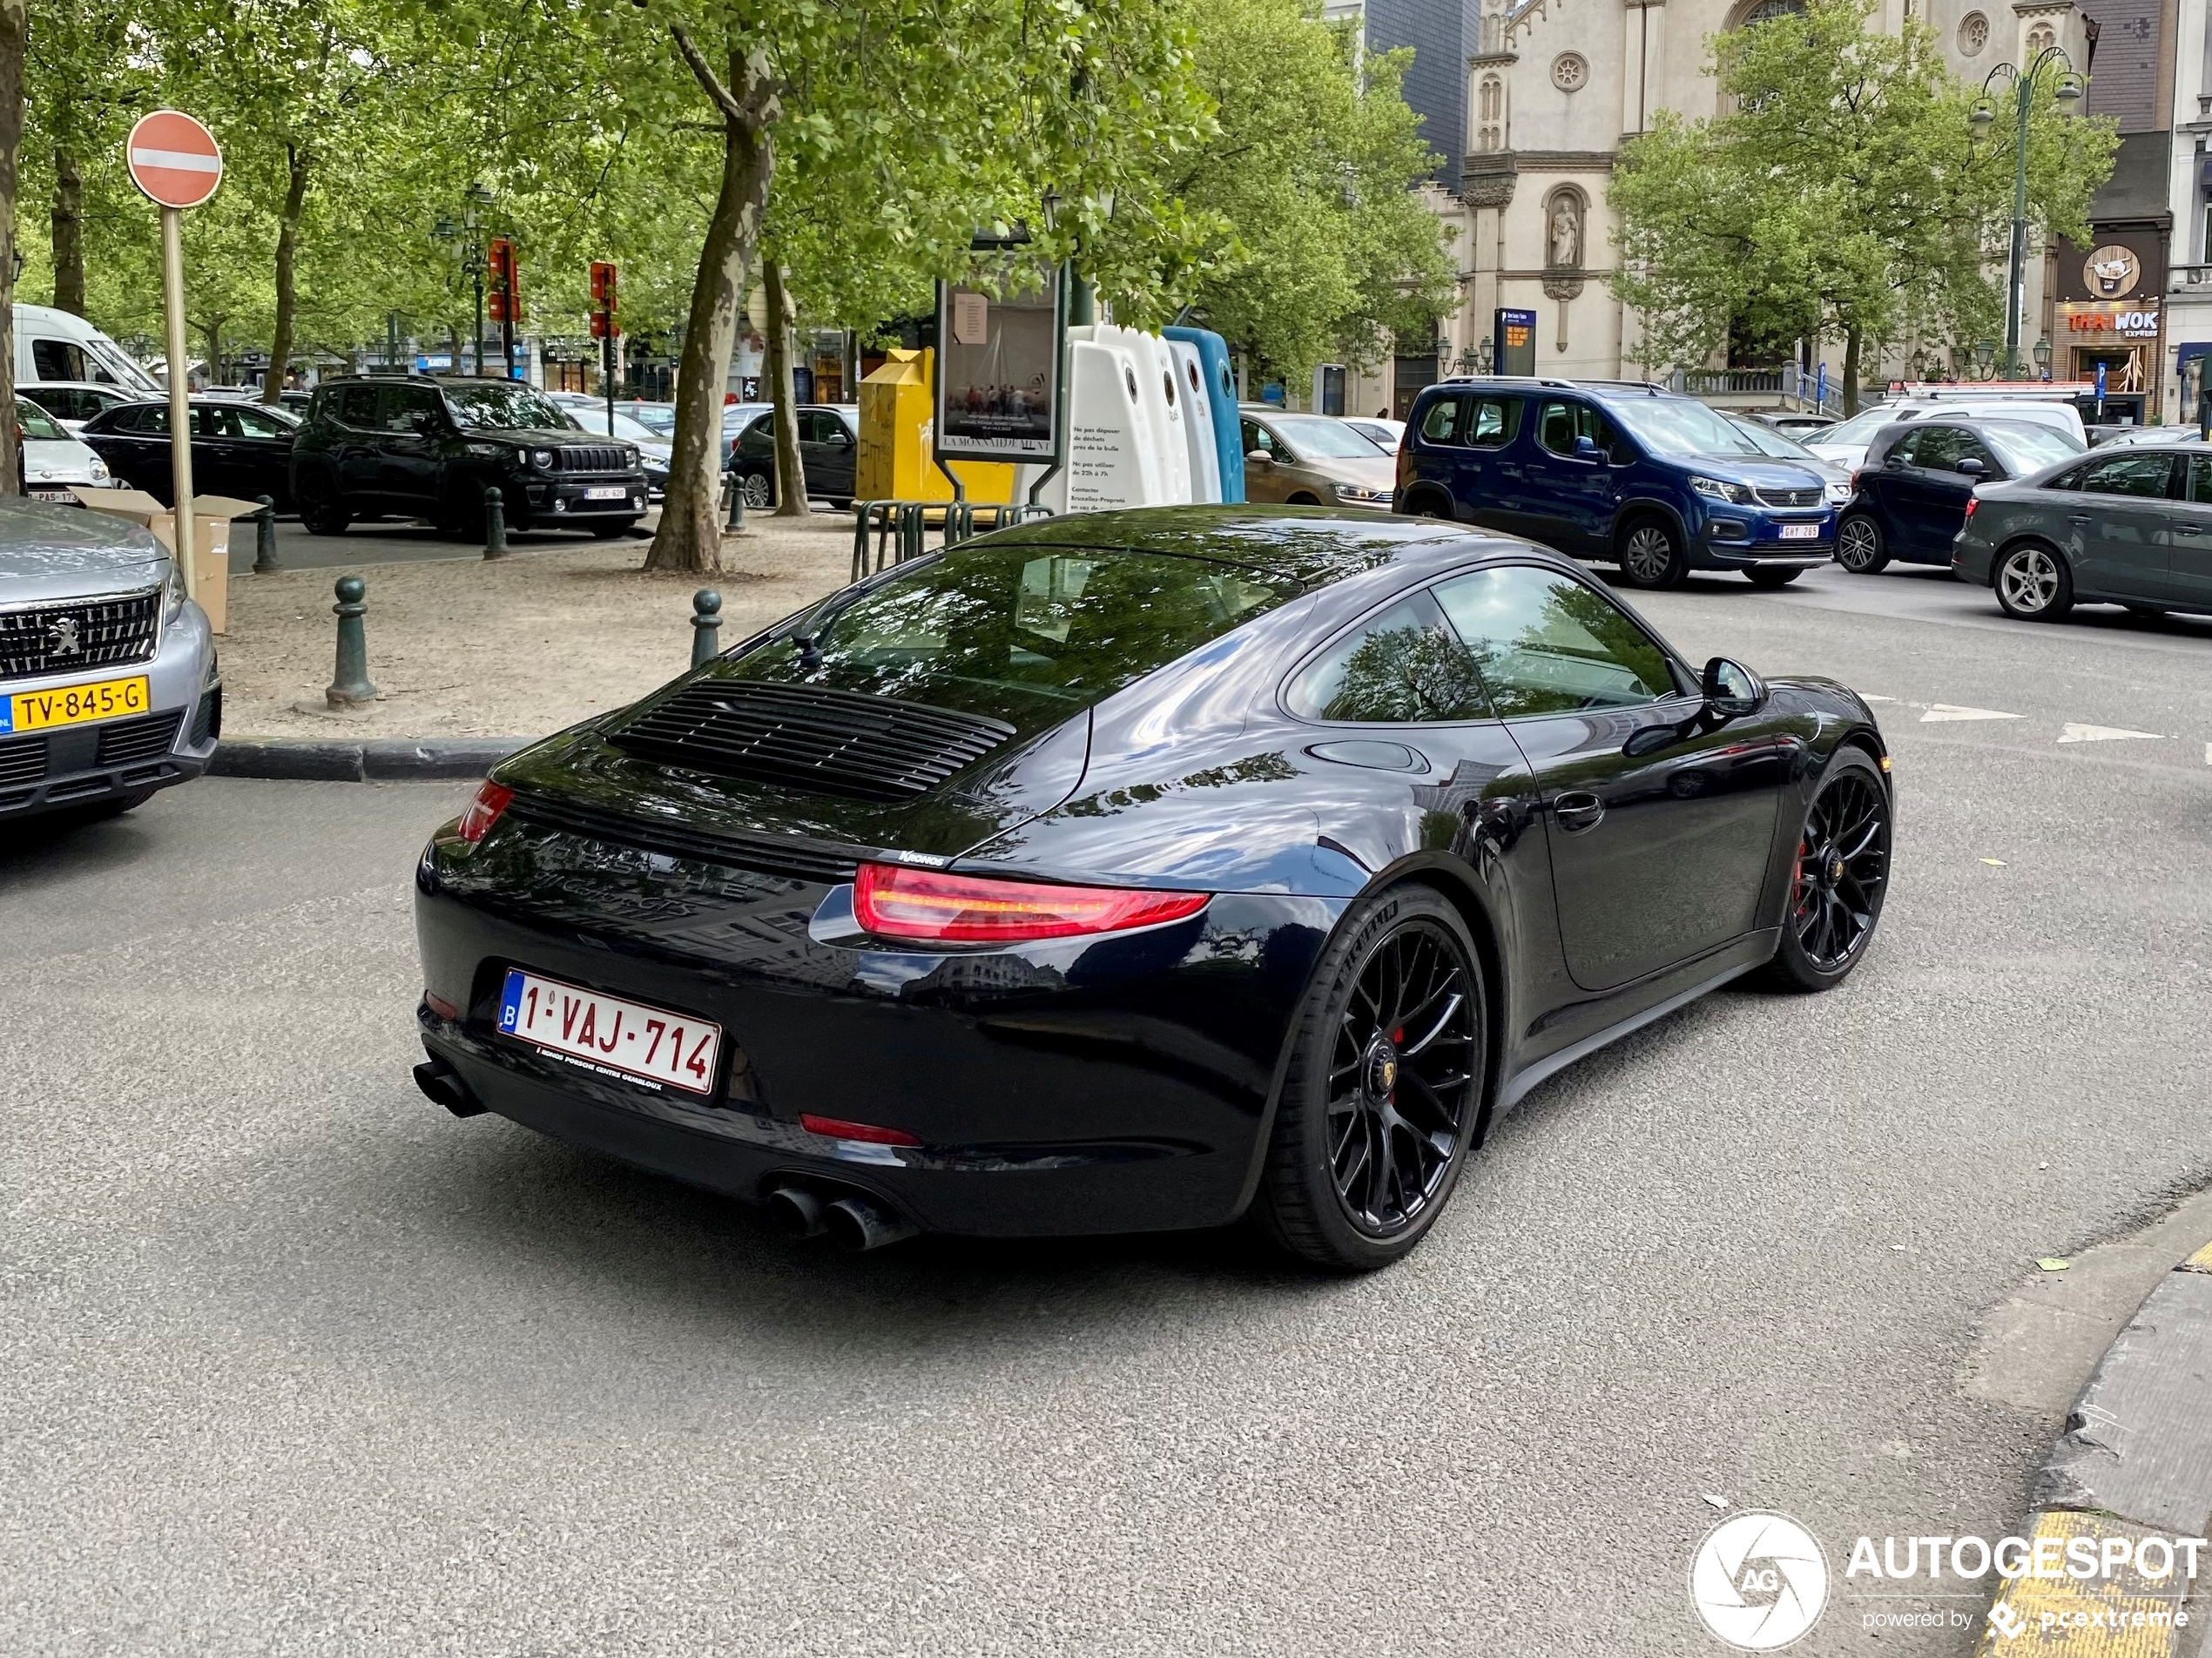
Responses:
[483,812]
[930,906]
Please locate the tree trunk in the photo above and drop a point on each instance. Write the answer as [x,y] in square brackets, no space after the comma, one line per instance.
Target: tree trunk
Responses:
[295,198]
[791,464]
[213,329]
[15,28]
[68,233]
[690,536]
[1851,371]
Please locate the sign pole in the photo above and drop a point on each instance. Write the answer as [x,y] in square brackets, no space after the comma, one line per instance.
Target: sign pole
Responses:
[172,300]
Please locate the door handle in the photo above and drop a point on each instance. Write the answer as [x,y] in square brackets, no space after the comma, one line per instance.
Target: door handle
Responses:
[2188,529]
[2081,517]
[1577,810]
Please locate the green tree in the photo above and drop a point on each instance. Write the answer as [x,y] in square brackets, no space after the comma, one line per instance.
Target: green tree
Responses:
[1837,197]
[1314,169]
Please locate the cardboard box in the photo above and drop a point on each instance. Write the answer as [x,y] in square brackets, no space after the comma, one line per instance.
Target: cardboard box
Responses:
[211,521]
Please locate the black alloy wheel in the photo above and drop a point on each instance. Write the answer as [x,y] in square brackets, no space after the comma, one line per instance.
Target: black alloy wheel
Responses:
[760,491]
[1384,1086]
[1859,547]
[2034,583]
[1651,555]
[321,510]
[1839,877]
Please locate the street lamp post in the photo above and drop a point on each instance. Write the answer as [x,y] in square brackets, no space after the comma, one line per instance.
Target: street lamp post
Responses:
[470,231]
[2025,83]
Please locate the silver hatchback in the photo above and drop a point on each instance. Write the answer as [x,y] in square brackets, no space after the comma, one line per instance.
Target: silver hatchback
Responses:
[108,682]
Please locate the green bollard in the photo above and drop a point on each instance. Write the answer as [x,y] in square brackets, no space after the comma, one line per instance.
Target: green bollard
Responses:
[706,626]
[737,502]
[265,558]
[495,526]
[350,687]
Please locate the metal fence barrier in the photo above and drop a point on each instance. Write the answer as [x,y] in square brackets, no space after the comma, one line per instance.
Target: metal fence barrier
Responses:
[890,532]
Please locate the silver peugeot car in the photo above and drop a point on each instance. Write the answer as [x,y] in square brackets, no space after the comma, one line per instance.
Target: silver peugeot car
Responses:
[108,682]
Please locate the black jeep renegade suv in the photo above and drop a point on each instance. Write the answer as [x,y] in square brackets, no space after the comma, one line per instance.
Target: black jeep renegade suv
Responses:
[412,447]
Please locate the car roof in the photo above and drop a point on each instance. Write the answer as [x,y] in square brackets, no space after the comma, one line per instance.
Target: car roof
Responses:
[81,386]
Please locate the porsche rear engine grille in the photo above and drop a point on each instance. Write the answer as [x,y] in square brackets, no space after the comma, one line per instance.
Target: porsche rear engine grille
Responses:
[811,738]
[766,854]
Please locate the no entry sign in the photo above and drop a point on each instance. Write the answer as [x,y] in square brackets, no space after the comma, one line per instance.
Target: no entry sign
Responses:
[174,159]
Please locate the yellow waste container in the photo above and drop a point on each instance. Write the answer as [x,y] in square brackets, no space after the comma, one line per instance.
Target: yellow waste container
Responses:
[894,463]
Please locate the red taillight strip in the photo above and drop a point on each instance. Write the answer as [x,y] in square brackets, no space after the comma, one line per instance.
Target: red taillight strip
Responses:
[931,906]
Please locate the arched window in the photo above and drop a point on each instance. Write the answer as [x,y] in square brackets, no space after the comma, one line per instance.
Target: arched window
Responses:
[1490,114]
[2041,39]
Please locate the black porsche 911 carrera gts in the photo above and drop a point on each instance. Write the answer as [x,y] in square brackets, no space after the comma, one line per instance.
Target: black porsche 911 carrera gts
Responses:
[1135,871]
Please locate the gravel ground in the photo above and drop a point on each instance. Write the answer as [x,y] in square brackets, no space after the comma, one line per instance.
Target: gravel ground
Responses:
[572,627]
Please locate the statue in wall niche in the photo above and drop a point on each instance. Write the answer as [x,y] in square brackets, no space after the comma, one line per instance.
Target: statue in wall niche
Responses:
[1566,243]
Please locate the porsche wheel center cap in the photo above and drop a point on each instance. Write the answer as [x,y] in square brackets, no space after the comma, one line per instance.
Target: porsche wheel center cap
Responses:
[1382,1069]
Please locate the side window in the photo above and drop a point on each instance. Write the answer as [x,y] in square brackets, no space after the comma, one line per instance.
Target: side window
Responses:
[357,407]
[2129,475]
[1496,422]
[1940,448]
[1257,437]
[1972,448]
[2201,480]
[1441,424]
[404,406]
[762,430]
[57,359]
[1402,667]
[210,421]
[1546,643]
[255,422]
[1561,424]
[147,417]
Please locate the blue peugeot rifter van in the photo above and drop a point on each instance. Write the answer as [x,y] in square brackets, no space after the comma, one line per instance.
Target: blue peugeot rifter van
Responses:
[1617,472]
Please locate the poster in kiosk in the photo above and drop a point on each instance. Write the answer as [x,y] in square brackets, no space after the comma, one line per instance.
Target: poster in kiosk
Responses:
[999,391]
[1513,342]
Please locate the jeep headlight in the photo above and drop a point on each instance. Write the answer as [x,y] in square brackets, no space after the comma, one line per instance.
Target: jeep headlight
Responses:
[542,459]
[1721,489]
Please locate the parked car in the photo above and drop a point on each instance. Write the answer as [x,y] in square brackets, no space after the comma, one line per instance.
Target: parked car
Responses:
[829,444]
[420,448]
[238,449]
[2126,437]
[1311,460]
[52,459]
[736,418]
[1654,481]
[659,419]
[1912,495]
[108,686]
[2131,527]
[652,449]
[1781,446]
[73,402]
[1801,425]
[1287,804]
[1380,430]
[1844,444]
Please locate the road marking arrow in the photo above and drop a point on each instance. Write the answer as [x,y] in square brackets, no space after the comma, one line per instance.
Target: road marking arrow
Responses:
[2074,733]
[1947,711]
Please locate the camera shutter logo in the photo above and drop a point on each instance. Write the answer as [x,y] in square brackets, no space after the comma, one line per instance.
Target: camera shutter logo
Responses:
[1758,1580]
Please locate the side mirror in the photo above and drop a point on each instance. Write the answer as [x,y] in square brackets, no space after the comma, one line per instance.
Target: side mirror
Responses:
[1586,449]
[1731,689]
[1972,466]
[1259,457]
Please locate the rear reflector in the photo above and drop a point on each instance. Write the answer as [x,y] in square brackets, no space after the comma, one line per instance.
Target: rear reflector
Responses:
[483,812]
[838,1128]
[931,906]
[439,1005]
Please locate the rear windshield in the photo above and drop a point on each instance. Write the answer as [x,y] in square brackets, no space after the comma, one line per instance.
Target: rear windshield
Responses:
[1028,634]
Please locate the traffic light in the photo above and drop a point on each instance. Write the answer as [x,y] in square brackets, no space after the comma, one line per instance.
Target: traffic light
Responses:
[505,302]
[603,298]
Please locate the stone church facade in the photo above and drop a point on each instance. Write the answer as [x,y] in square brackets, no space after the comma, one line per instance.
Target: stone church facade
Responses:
[1551,91]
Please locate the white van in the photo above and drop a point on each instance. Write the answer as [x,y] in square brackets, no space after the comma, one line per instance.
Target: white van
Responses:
[60,344]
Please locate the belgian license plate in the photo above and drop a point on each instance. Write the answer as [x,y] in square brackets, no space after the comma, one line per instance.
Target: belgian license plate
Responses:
[609,1035]
[1801,532]
[35,710]
[606,492]
[59,497]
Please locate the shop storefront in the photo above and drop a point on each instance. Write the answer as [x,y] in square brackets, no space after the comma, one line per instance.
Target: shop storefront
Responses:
[2108,310]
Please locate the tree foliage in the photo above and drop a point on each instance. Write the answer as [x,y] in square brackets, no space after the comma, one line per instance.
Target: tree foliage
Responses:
[1838,196]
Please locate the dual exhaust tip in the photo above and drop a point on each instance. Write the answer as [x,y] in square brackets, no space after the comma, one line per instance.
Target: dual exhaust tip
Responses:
[851,1219]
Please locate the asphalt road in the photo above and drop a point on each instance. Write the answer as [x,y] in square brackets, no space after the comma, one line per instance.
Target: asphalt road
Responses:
[293,1362]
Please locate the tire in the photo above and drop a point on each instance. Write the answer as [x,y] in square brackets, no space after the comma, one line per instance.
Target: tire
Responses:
[1771,575]
[760,491]
[1302,499]
[1324,1197]
[2032,582]
[460,514]
[1838,878]
[1650,555]
[323,510]
[1859,546]
[608,532]
[1428,506]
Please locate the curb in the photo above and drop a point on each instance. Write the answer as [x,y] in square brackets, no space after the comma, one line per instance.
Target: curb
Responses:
[378,759]
[2135,1461]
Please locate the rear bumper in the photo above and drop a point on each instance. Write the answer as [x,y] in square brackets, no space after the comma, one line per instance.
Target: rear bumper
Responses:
[1114,1085]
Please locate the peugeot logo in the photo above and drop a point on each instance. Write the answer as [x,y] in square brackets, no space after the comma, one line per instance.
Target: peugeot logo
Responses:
[61,637]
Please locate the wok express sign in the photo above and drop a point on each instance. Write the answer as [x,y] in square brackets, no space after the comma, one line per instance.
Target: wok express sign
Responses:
[2118,321]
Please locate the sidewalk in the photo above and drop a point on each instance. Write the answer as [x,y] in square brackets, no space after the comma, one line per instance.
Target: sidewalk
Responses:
[462,647]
